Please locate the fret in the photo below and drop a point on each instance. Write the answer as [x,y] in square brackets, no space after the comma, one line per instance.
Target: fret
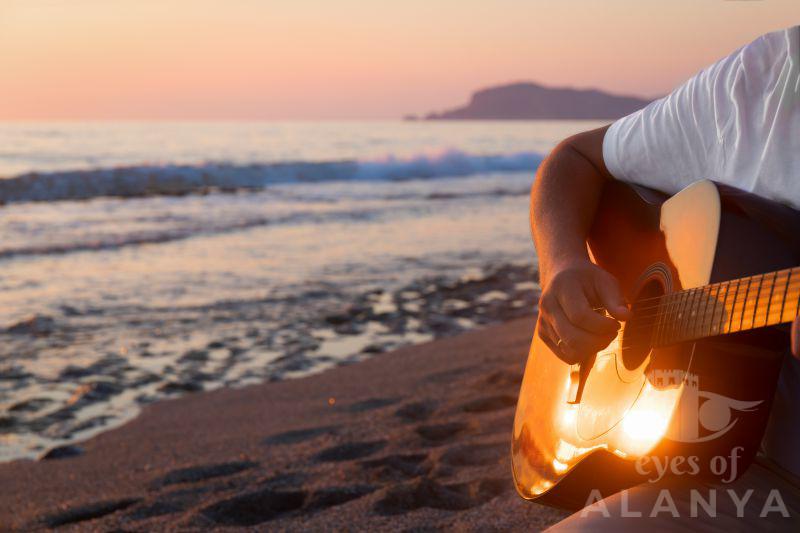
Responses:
[660,317]
[679,307]
[699,312]
[742,304]
[691,312]
[659,325]
[721,308]
[672,317]
[700,319]
[668,318]
[716,322]
[733,306]
[669,302]
[712,324]
[776,296]
[678,314]
[708,310]
[759,303]
[796,299]
[685,313]
[694,308]
[785,294]
[750,301]
[765,295]
[719,323]
[667,299]
[793,297]
[669,328]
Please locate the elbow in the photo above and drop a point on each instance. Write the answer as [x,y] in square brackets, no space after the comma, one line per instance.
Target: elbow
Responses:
[558,158]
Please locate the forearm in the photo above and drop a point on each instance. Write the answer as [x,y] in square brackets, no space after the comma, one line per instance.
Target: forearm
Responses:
[564,199]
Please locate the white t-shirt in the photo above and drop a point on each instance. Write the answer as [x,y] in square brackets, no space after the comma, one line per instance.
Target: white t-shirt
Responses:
[735,122]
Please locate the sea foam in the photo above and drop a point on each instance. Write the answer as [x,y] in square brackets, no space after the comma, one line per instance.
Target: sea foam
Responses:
[168,179]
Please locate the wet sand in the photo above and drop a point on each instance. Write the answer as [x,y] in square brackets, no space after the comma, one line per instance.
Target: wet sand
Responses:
[68,377]
[415,439]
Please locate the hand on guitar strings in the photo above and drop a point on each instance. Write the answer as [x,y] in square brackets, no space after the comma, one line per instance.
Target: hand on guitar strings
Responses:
[568,320]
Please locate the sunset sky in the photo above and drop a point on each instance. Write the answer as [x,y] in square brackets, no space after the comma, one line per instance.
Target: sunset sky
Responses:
[326,59]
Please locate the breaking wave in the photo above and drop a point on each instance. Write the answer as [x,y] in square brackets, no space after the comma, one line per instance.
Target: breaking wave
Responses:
[154,180]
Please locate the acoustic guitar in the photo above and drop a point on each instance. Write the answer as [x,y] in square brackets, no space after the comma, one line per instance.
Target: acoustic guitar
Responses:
[687,384]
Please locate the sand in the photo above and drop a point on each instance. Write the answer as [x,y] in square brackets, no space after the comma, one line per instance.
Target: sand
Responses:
[415,439]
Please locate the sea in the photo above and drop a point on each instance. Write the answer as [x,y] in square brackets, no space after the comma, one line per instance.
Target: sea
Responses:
[146,260]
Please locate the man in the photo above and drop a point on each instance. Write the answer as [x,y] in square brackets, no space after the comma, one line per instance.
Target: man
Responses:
[736,122]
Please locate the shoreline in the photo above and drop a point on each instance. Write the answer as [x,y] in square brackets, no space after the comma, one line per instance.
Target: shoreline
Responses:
[65,385]
[414,437]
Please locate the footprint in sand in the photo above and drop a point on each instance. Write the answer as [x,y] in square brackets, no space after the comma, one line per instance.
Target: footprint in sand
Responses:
[73,515]
[371,404]
[332,496]
[400,466]
[437,433]
[296,436]
[475,454]
[194,474]
[350,451]
[252,508]
[257,507]
[176,501]
[502,378]
[490,403]
[425,492]
[416,411]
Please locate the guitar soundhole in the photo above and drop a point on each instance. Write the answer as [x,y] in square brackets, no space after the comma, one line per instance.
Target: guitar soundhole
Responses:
[638,333]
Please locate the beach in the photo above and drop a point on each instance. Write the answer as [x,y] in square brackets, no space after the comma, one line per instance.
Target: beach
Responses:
[144,261]
[268,266]
[297,326]
[415,439]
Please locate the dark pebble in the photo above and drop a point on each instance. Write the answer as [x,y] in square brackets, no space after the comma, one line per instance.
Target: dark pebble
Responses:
[62,452]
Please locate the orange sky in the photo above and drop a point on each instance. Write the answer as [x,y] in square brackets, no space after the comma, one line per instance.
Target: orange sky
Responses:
[311,59]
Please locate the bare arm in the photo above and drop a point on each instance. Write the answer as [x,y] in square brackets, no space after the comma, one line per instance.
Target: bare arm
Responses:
[564,199]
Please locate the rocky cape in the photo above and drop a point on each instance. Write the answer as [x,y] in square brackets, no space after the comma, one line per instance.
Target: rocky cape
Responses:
[528,100]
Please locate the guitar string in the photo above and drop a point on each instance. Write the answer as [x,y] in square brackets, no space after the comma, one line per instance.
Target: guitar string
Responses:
[675,316]
[695,332]
[713,292]
[710,309]
[716,298]
[707,291]
[719,284]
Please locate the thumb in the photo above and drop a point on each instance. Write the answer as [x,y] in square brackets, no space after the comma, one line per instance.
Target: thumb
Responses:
[610,295]
[796,337]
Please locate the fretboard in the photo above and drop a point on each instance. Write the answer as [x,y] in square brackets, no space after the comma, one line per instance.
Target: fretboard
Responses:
[727,307]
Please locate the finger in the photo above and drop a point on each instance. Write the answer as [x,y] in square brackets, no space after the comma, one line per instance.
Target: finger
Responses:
[610,295]
[560,349]
[576,341]
[796,337]
[548,335]
[573,300]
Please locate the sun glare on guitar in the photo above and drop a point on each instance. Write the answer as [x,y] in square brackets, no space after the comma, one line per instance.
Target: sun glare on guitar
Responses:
[644,427]
[559,467]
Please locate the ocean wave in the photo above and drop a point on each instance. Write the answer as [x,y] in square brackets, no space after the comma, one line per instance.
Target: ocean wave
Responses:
[170,233]
[155,180]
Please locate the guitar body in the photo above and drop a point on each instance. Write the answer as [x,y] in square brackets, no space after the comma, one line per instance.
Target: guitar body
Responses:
[639,408]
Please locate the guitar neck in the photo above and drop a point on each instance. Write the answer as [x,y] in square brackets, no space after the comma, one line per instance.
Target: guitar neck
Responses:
[737,305]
